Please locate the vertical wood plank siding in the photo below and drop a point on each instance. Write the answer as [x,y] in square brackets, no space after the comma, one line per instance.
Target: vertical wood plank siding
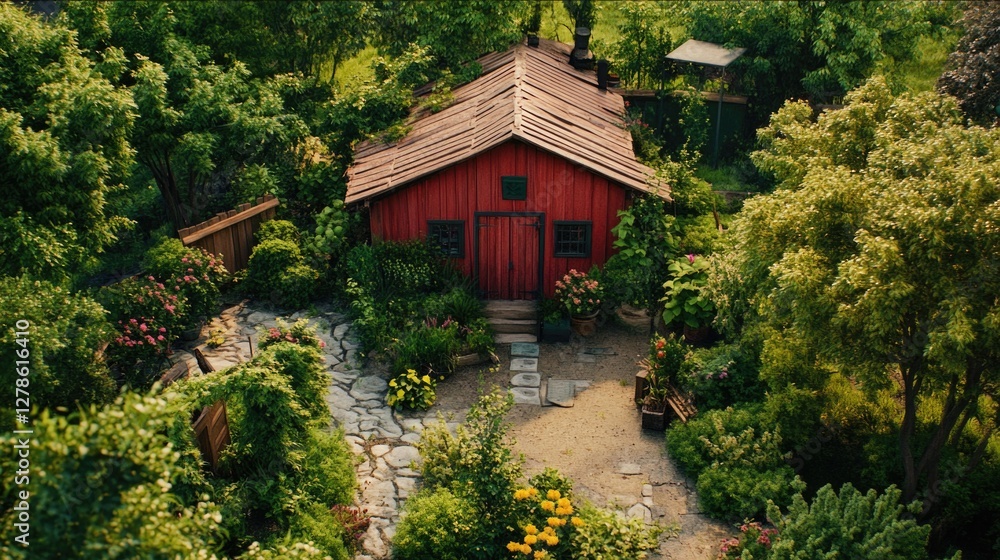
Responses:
[556,187]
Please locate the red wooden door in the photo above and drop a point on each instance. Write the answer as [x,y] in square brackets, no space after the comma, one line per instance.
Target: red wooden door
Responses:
[508,259]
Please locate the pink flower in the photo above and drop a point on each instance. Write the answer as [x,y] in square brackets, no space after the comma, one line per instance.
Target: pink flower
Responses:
[690,258]
[177,288]
[322,344]
[143,327]
[163,329]
[160,338]
[576,301]
[151,279]
[184,260]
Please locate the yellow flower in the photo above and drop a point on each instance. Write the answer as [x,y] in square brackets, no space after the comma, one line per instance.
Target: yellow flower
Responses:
[556,522]
[530,539]
[532,492]
[577,522]
[540,555]
[400,393]
[549,531]
[553,495]
[548,506]
[525,549]
[552,540]
[564,510]
[520,494]
[392,383]
[513,546]
[426,379]
[563,502]
[531,529]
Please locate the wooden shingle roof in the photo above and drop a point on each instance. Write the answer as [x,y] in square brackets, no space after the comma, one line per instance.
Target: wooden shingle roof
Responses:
[526,93]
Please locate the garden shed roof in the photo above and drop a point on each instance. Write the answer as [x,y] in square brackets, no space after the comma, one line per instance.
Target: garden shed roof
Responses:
[708,54]
[530,94]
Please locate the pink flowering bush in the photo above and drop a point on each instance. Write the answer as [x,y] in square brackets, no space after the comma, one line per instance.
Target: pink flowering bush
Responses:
[300,333]
[754,540]
[579,293]
[189,272]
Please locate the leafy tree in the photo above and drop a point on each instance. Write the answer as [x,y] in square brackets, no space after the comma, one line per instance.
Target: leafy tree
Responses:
[820,49]
[582,12]
[877,257]
[64,147]
[275,37]
[849,525]
[453,32]
[637,55]
[974,74]
[200,124]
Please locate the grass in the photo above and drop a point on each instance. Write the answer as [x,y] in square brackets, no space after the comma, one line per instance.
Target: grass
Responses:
[921,73]
[725,178]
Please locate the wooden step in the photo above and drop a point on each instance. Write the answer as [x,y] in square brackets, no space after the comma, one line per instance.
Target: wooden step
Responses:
[526,326]
[511,309]
[507,338]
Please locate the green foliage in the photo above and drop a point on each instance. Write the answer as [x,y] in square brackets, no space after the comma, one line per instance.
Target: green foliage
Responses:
[412,391]
[296,353]
[453,33]
[277,271]
[738,464]
[606,534]
[552,479]
[871,257]
[476,463]
[850,524]
[644,238]
[437,524]
[685,300]
[722,376]
[643,39]
[195,271]
[64,129]
[458,304]
[974,63]
[808,48]
[429,348]
[316,525]
[332,225]
[115,485]
[278,229]
[61,344]
[582,12]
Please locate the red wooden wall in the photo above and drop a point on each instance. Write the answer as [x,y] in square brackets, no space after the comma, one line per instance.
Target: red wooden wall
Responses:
[557,188]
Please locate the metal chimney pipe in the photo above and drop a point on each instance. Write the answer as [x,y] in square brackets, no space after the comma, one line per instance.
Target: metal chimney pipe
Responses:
[602,74]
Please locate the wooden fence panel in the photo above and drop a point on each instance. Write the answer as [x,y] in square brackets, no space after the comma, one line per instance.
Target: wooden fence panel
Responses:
[211,429]
[231,233]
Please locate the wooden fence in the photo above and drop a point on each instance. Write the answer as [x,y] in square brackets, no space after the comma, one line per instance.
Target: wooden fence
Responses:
[231,233]
[211,430]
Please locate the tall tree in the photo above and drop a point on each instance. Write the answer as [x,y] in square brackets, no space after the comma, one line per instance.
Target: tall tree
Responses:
[878,256]
[201,124]
[454,32]
[63,147]
[974,68]
[807,48]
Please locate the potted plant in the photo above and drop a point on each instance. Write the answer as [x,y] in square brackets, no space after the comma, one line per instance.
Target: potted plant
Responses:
[685,301]
[581,295]
[661,368]
[555,322]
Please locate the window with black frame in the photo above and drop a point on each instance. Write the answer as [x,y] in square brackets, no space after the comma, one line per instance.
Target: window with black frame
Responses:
[448,236]
[572,239]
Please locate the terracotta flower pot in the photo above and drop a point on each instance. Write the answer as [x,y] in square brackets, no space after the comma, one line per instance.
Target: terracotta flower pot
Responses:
[584,325]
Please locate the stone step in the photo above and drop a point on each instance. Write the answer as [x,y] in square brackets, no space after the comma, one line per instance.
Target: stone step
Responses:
[508,338]
[511,309]
[526,326]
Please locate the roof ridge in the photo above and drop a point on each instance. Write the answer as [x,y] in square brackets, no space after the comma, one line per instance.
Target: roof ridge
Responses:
[518,81]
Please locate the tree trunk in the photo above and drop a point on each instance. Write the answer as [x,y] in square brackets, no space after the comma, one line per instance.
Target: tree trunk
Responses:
[167,184]
[906,431]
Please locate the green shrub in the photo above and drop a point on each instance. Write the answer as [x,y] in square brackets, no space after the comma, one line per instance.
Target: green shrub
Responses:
[551,479]
[476,462]
[722,376]
[297,286]
[411,391]
[190,272]
[438,524]
[428,349]
[65,334]
[316,525]
[850,524]
[296,551]
[306,372]
[740,492]
[605,534]
[328,468]
[738,465]
[458,304]
[277,271]
[279,229]
[115,485]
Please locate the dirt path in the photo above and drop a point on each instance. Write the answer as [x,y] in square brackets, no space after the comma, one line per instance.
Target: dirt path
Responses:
[602,431]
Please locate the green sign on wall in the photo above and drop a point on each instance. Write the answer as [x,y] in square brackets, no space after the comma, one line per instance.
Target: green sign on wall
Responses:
[514,187]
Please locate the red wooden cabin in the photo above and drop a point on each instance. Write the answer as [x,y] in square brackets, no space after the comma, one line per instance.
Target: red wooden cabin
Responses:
[520,179]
